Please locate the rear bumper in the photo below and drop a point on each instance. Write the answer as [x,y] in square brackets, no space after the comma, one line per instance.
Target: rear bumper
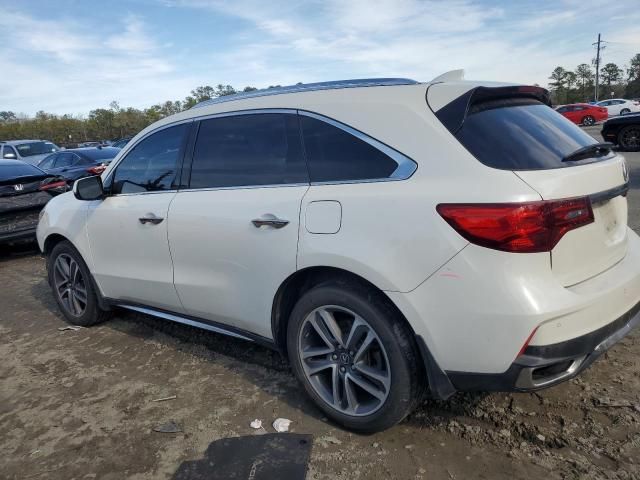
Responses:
[18,235]
[544,366]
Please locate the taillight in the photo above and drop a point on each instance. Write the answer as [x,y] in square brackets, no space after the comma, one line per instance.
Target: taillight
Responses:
[527,227]
[97,170]
[49,186]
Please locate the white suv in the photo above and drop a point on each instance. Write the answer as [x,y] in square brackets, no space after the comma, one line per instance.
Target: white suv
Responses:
[392,238]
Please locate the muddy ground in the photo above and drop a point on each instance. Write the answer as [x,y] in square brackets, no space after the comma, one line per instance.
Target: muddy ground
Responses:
[80,404]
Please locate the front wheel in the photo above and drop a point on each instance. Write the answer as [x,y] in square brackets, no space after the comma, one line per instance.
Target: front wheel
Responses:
[629,138]
[624,111]
[588,121]
[70,281]
[355,358]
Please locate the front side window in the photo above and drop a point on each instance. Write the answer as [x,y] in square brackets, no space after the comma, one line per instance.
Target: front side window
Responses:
[48,162]
[152,164]
[248,150]
[9,151]
[336,155]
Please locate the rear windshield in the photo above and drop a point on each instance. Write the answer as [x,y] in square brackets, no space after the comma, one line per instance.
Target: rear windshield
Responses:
[100,153]
[36,148]
[521,134]
[9,172]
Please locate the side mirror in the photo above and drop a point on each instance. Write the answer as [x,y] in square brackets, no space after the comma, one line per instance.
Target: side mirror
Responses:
[89,188]
[9,155]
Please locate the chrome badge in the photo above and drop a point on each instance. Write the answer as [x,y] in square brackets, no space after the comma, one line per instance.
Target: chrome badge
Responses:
[18,187]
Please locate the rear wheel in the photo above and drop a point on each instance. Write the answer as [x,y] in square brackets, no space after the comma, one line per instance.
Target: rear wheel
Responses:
[588,121]
[73,290]
[624,111]
[629,138]
[354,357]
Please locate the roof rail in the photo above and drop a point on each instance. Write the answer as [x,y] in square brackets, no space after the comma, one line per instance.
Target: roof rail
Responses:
[309,87]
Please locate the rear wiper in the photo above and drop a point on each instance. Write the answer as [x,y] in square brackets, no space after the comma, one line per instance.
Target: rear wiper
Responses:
[590,151]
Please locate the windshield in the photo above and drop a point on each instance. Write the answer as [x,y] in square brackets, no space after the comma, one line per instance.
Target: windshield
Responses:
[36,148]
[9,172]
[521,134]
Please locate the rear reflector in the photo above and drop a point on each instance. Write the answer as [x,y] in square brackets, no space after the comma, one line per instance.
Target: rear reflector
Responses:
[527,227]
[49,186]
[97,170]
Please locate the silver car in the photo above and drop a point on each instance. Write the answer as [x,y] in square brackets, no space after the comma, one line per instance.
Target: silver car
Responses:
[29,151]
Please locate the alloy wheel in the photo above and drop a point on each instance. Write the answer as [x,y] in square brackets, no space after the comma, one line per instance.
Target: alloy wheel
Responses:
[588,121]
[344,360]
[70,285]
[630,138]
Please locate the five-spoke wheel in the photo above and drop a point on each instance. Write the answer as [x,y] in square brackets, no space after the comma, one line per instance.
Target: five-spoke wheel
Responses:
[70,285]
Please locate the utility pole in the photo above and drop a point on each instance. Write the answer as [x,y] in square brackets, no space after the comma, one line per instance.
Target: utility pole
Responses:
[597,66]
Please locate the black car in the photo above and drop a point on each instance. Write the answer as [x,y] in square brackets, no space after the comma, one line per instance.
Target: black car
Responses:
[24,190]
[623,131]
[79,162]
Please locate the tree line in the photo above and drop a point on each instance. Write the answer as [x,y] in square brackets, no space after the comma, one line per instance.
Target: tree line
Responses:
[573,86]
[102,123]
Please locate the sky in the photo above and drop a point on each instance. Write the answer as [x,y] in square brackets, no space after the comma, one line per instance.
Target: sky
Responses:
[72,56]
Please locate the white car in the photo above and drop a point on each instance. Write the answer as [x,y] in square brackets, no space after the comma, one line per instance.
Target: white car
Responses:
[620,106]
[392,238]
[28,151]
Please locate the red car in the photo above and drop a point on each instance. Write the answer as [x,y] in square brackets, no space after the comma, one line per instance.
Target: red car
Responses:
[583,113]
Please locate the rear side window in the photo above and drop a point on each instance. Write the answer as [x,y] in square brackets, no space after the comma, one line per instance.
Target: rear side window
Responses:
[246,150]
[152,164]
[520,134]
[336,155]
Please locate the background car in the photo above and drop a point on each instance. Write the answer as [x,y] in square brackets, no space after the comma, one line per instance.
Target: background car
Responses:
[620,106]
[583,113]
[29,151]
[623,131]
[79,162]
[24,190]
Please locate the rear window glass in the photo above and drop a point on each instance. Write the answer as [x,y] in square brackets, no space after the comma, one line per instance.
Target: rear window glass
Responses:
[520,134]
[8,172]
[100,153]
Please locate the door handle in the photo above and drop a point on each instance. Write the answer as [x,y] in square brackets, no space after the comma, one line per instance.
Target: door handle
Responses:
[269,220]
[150,218]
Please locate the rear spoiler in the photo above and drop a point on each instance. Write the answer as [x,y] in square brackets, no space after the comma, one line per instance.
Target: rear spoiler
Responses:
[453,114]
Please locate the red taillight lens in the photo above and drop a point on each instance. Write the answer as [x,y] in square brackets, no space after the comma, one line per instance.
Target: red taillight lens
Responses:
[97,170]
[49,186]
[518,227]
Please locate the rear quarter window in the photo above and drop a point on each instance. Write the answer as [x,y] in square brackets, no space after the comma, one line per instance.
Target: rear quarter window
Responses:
[520,134]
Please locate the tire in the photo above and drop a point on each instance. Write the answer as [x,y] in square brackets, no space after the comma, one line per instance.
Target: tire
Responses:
[629,138]
[391,361]
[588,121]
[79,304]
[624,111]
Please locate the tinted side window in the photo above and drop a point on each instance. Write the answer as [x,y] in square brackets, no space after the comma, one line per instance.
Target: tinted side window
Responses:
[245,150]
[64,160]
[48,162]
[152,164]
[8,149]
[336,155]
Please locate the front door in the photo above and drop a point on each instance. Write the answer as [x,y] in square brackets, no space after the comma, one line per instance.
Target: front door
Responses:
[128,229]
[234,232]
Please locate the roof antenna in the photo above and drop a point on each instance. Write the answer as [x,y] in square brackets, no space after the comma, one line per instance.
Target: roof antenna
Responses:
[450,76]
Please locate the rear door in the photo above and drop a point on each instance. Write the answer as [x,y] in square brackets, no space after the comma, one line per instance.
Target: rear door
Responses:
[234,231]
[510,130]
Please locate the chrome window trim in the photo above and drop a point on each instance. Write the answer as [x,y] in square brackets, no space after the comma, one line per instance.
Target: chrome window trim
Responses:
[406,166]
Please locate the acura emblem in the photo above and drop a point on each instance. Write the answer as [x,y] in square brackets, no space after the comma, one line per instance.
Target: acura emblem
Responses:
[18,187]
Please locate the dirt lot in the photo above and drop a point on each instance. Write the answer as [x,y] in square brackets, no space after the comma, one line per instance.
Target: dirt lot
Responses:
[79,404]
